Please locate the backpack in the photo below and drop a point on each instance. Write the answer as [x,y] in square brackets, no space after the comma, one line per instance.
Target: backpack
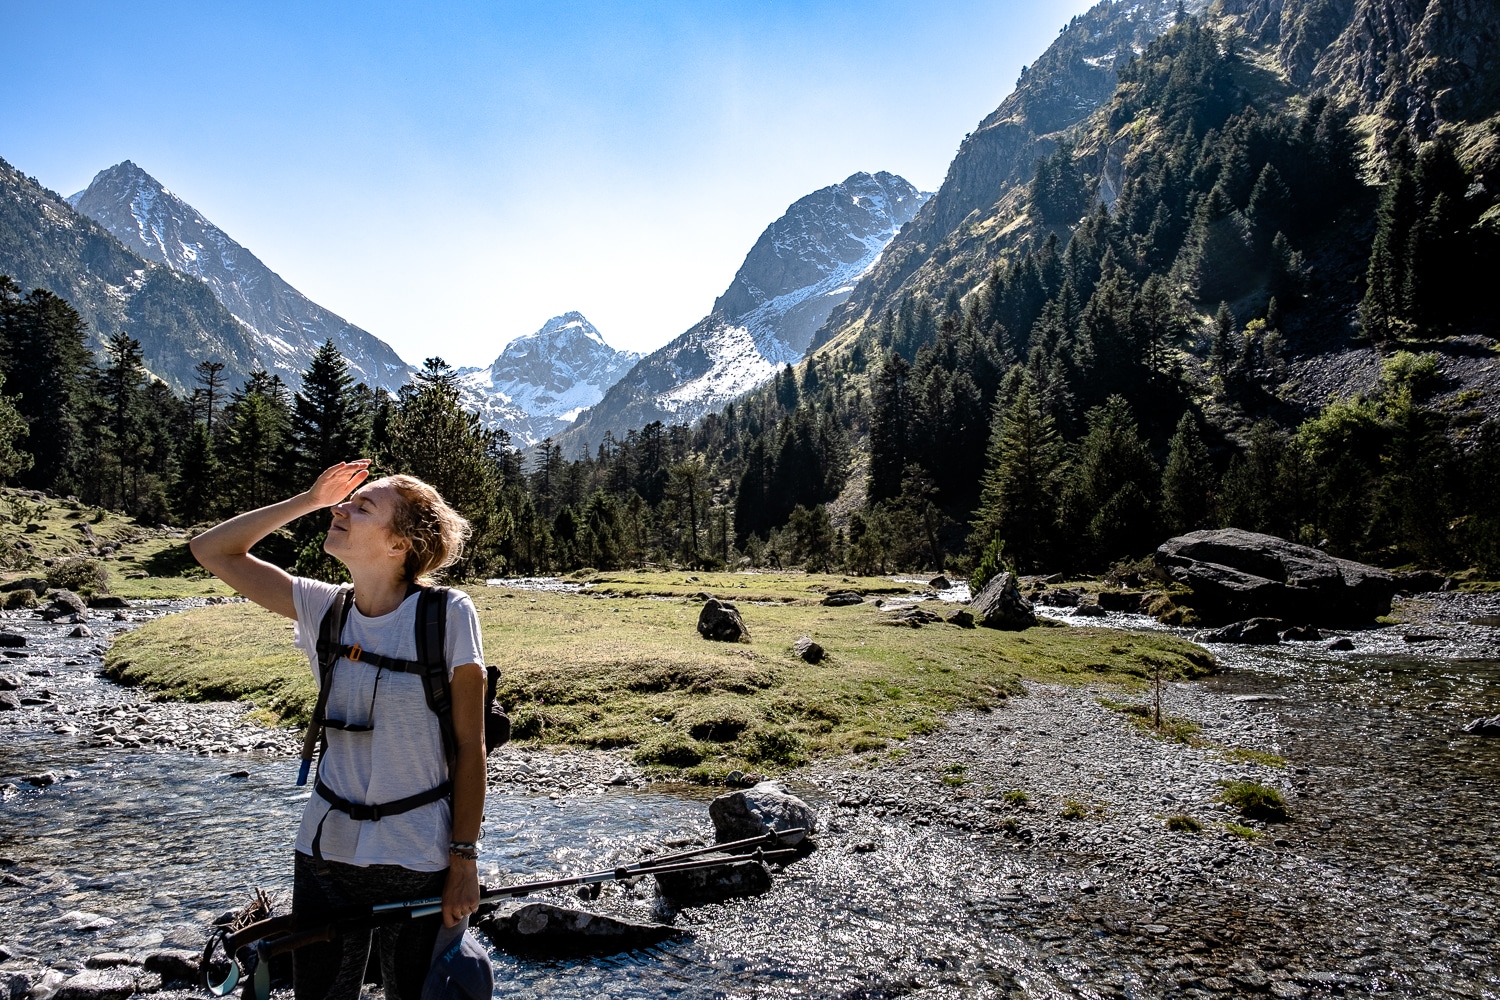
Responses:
[430,665]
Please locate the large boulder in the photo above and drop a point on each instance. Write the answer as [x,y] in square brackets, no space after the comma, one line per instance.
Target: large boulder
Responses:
[721,621]
[537,928]
[1000,605]
[756,811]
[1237,574]
[64,605]
[1251,632]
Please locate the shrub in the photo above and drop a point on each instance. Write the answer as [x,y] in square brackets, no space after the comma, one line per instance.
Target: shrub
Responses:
[1184,824]
[79,573]
[1073,809]
[1254,800]
[1015,797]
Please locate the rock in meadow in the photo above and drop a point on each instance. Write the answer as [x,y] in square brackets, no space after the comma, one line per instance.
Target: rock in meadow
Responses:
[808,650]
[842,599]
[721,622]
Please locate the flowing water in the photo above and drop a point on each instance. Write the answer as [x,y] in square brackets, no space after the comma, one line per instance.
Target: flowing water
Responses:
[137,848]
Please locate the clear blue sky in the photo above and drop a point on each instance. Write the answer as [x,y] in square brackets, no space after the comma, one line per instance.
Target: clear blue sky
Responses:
[449,175]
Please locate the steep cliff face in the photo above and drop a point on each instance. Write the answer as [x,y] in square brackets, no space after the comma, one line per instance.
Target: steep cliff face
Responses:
[960,230]
[288,328]
[803,265]
[44,243]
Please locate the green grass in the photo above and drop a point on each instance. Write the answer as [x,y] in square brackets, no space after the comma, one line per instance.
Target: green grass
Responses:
[1073,809]
[169,569]
[632,672]
[1016,798]
[1172,727]
[1254,800]
[786,587]
[1184,824]
[1240,755]
[1240,830]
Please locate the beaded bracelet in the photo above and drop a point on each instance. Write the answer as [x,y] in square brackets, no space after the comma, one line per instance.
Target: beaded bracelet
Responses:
[467,853]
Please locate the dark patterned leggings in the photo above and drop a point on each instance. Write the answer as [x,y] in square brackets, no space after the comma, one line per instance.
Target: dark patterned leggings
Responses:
[335,970]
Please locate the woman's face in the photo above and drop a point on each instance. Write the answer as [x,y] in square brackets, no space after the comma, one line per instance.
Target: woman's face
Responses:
[361,527]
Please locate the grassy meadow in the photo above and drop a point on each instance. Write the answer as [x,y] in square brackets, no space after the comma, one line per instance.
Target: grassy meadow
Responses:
[586,670]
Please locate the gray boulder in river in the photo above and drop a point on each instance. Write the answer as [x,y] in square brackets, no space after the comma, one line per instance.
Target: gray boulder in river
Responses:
[1237,574]
[756,811]
[1000,605]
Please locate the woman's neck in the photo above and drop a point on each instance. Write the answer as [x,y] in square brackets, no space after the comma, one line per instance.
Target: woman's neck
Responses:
[377,594]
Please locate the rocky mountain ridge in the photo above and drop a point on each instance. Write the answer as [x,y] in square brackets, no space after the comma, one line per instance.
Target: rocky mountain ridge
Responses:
[45,243]
[288,327]
[801,267]
[542,381]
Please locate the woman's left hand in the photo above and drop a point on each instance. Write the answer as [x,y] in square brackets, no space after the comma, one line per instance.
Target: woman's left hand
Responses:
[461,894]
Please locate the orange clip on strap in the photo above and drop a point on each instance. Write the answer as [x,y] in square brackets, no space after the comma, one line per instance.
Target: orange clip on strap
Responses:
[356,652]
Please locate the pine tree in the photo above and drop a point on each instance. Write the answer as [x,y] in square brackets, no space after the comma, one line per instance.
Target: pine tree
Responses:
[50,373]
[12,430]
[195,493]
[328,424]
[1187,481]
[1383,314]
[1111,495]
[1023,479]
[431,436]
[889,423]
[1221,349]
[122,391]
[210,391]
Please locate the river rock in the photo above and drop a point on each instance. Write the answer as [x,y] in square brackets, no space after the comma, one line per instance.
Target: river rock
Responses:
[99,984]
[712,885]
[35,584]
[1423,581]
[108,960]
[1302,633]
[1088,609]
[1252,632]
[842,599]
[11,640]
[1059,598]
[15,985]
[807,649]
[64,604]
[1236,574]
[537,928]
[108,602]
[9,682]
[81,920]
[756,811]
[1484,727]
[1120,600]
[80,632]
[174,965]
[940,583]
[9,703]
[1000,605]
[1490,621]
[721,622]
[1341,644]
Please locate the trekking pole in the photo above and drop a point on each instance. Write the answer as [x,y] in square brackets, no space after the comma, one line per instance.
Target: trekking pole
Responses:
[251,948]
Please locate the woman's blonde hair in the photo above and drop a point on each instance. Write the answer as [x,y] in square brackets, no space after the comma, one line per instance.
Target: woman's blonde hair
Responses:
[435,531]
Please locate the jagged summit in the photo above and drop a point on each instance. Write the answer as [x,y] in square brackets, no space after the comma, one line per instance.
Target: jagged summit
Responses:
[542,380]
[286,326]
[803,265]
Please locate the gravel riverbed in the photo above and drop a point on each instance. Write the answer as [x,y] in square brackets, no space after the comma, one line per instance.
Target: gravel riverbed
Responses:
[931,880]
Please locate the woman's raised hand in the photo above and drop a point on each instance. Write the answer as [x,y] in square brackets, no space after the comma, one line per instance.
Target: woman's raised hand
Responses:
[338,481]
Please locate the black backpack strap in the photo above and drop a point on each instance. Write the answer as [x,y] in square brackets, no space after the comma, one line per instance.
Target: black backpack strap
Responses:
[330,632]
[432,646]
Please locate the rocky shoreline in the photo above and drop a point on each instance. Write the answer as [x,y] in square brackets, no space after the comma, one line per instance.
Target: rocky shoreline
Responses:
[1057,801]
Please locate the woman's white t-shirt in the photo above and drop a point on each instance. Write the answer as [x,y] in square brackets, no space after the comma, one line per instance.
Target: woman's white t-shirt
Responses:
[403,754]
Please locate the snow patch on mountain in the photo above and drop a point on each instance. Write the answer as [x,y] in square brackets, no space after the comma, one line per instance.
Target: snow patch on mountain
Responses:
[542,381]
[803,265]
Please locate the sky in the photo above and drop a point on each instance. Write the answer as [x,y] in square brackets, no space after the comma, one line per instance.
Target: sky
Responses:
[448,175]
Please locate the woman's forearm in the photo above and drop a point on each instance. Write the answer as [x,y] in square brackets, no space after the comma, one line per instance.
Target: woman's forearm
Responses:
[468,792]
[236,536]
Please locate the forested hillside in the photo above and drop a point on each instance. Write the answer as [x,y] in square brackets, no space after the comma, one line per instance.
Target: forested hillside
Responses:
[1202,269]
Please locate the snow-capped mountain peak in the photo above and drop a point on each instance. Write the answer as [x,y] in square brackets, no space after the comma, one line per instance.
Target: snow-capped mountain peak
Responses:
[542,380]
[288,328]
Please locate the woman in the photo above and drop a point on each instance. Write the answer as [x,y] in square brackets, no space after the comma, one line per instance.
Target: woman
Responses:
[387,744]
